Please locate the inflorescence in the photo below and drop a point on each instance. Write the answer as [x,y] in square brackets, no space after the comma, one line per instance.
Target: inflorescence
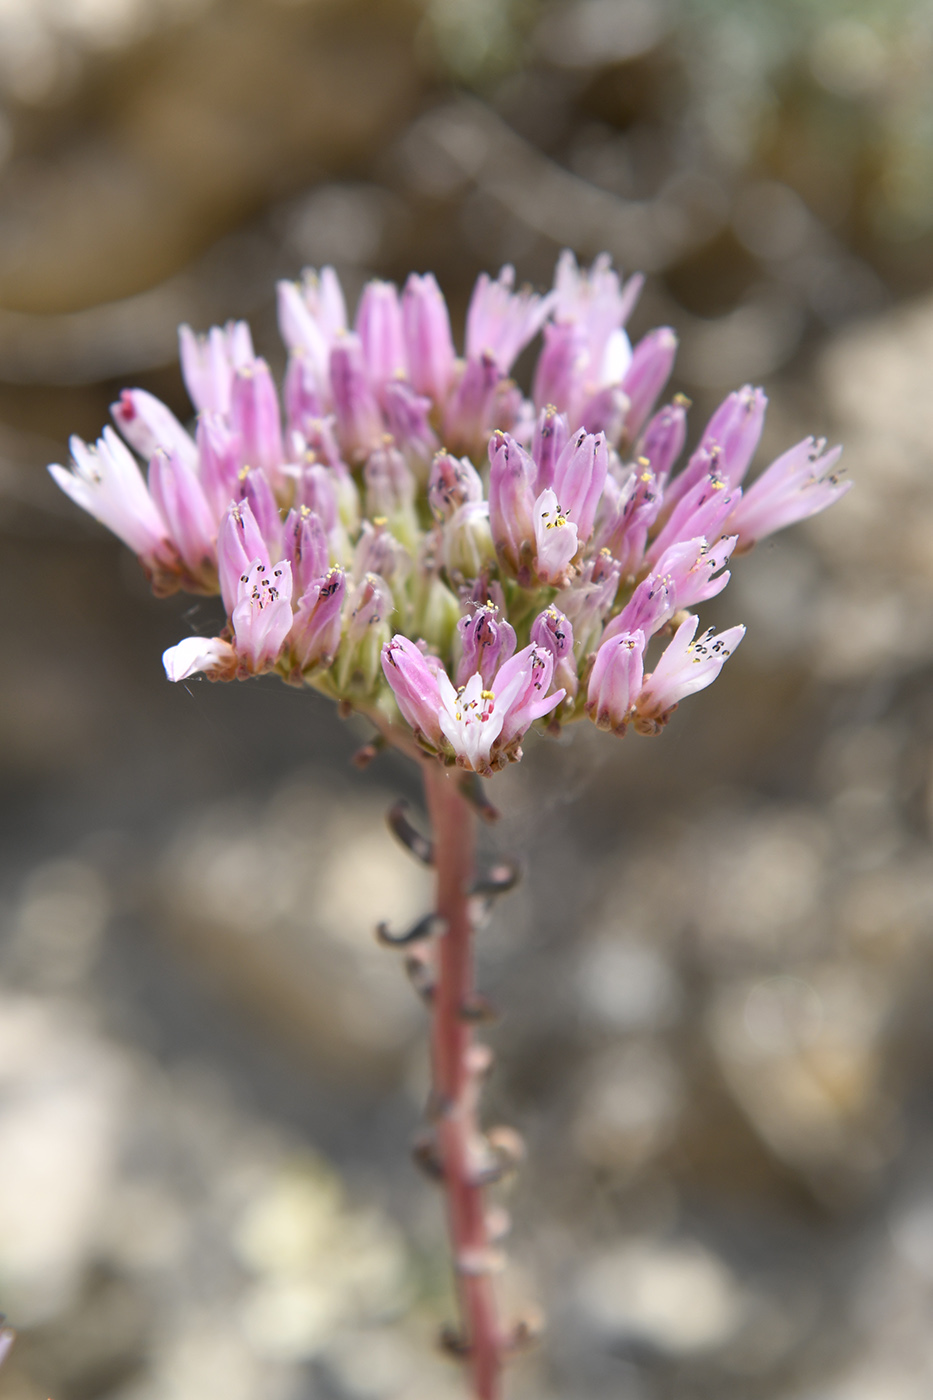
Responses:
[420,541]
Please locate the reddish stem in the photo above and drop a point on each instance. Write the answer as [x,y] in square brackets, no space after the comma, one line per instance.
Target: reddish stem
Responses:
[454,1078]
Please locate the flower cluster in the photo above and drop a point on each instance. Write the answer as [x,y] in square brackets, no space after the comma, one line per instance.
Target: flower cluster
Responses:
[409,533]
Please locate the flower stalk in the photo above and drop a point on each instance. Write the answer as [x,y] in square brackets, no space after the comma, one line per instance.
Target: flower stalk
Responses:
[458,1065]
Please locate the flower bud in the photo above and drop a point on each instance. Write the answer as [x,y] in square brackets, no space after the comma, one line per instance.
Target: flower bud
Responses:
[561,367]
[467,545]
[147,425]
[652,362]
[579,477]
[254,487]
[407,418]
[551,631]
[239,542]
[487,641]
[220,453]
[305,547]
[427,336]
[453,481]
[365,633]
[254,414]
[615,681]
[301,393]
[359,422]
[663,440]
[315,631]
[511,505]
[551,432]
[379,327]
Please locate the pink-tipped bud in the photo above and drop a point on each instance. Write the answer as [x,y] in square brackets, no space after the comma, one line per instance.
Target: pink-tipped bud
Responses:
[315,633]
[254,414]
[239,542]
[663,440]
[649,371]
[147,425]
[262,618]
[579,478]
[487,641]
[414,684]
[427,336]
[453,481]
[615,681]
[685,667]
[177,493]
[379,327]
[305,547]
[512,504]
[551,433]
[359,422]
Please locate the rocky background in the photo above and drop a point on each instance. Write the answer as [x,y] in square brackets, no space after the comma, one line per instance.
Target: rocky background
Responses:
[717,977]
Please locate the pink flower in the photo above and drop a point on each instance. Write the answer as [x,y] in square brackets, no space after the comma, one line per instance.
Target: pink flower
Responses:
[500,322]
[208,363]
[555,540]
[177,492]
[262,617]
[685,667]
[415,686]
[797,485]
[105,480]
[481,724]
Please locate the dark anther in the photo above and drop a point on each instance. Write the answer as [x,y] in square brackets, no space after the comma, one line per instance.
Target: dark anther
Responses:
[344,709]
[364,756]
[431,926]
[425,1156]
[472,790]
[402,829]
[453,1342]
[478,1010]
[499,880]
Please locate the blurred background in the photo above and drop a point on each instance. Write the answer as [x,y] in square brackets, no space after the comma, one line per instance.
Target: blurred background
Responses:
[717,978]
